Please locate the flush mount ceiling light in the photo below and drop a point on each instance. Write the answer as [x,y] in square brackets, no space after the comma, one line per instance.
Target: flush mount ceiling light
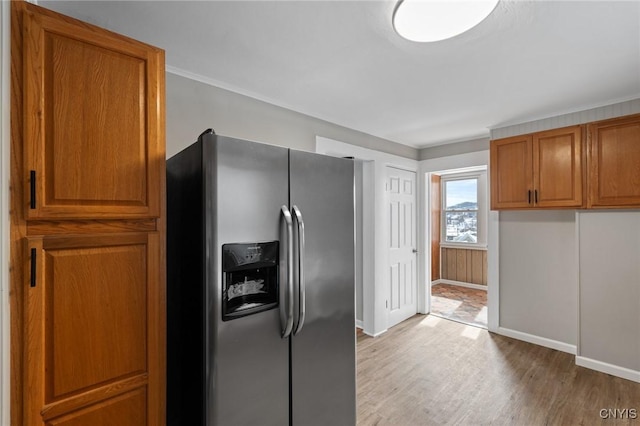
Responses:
[433,20]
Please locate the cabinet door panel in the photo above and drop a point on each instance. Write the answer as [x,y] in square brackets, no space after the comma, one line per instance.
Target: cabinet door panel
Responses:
[511,172]
[88,331]
[91,122]
[558,168]
[614,163]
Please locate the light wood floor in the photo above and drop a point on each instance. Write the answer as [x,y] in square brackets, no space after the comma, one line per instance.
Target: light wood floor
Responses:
[430,371]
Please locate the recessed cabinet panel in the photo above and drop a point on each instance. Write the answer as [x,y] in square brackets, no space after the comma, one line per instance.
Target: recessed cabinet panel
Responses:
[82,131]
[90,122]
[614,163]
[95,302]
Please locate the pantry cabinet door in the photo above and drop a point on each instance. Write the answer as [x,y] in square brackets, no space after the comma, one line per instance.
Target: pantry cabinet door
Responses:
[92,350]
[93,129]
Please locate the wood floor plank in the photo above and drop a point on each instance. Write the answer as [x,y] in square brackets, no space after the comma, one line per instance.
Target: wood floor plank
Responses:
[430,371]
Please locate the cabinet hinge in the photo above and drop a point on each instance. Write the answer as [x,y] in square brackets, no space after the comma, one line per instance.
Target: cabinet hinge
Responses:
[33,267]
[32,184]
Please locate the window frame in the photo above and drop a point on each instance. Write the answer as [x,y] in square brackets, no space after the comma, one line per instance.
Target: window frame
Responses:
[481,212]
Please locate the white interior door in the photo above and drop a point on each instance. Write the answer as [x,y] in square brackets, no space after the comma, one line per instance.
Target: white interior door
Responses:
[401,272]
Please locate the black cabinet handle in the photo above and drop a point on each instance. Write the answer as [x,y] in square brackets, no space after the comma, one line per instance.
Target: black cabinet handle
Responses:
[33,267]
[536,196]
[32,183]
[529,196]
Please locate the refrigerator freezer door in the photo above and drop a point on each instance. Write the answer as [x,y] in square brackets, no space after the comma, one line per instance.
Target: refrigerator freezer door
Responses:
[323,352]
[248,360]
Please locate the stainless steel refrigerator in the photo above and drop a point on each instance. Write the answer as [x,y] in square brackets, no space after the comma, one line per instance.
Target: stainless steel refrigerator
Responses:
[260,297]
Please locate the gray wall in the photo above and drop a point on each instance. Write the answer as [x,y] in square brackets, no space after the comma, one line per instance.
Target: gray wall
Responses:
[538,274]
[447,150]
[610,287]
[580,117]
[193,106]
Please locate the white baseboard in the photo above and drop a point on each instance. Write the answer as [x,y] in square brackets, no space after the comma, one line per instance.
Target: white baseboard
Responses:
[460,283]
[360,325]
[604,367]
[592,364]
[537,340]
[376,334]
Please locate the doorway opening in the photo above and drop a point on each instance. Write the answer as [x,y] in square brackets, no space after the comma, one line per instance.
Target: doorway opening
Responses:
[459,213]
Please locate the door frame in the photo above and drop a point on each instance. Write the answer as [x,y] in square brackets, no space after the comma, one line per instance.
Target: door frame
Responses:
[470,161]
[375,313]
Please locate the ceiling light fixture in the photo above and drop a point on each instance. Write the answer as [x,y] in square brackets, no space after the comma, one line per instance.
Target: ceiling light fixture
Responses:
[435,20]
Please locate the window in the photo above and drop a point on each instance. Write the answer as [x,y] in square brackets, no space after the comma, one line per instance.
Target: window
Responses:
[463,204]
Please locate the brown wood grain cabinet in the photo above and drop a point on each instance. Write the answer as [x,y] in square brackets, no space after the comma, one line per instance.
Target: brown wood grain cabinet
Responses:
[614,163]
[91,122]
[511,172]
[88,226]
[539,170]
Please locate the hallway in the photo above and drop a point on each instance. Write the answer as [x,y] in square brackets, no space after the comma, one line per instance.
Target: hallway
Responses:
[461,304]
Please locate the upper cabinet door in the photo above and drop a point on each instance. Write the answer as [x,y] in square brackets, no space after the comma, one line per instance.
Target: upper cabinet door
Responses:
[614,163]
[93,121]
[557,165]
[511,172]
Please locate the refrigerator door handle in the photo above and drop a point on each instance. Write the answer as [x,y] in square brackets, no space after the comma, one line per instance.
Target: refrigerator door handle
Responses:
[286,306]
[301,282]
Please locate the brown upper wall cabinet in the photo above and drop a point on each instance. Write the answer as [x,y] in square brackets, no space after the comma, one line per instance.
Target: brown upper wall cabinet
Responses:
[91,122]
[614,163]
[539,170]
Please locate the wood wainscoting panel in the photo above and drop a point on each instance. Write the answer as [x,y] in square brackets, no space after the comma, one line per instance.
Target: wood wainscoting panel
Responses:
[464,265]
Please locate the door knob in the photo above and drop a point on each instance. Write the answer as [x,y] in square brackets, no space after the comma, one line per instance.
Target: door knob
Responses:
[415,250]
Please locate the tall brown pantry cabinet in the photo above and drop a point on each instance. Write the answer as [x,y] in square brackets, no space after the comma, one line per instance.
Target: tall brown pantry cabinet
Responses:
[87,224]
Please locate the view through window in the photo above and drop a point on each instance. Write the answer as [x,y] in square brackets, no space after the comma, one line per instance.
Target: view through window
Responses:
[460,221]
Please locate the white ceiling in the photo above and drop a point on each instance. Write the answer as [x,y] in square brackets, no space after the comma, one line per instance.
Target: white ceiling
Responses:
[342,62]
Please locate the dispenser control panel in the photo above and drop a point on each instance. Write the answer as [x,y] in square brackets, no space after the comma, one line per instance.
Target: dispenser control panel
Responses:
[250,278]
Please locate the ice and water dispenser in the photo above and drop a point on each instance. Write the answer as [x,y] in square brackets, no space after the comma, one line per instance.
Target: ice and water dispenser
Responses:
[250,278]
